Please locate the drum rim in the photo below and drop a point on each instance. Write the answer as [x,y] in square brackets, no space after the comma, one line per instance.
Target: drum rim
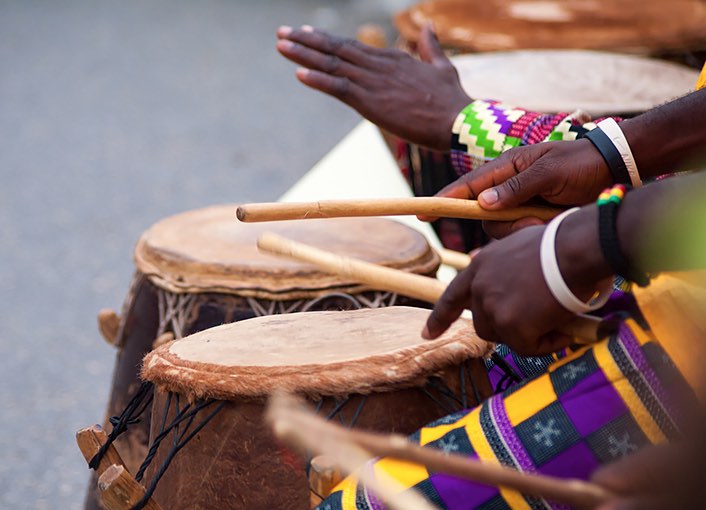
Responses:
[163,269]
[402,368]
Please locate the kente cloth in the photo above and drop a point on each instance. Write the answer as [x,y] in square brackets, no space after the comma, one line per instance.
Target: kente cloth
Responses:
[592,407]
[485,129]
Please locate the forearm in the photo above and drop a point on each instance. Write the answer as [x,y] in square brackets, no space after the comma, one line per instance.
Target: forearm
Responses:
[660,227]
[669,138]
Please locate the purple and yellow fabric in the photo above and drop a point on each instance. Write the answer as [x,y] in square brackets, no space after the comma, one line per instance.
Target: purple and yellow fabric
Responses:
[596,405]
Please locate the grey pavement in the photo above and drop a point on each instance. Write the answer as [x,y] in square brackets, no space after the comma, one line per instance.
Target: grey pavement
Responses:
[112,116]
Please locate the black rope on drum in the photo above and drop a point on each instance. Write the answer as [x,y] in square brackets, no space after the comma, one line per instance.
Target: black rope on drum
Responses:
[130,416]
[462,377]
[356,415]
[337,409]
[476,392]
[443,406]
[440,386]
[187,414]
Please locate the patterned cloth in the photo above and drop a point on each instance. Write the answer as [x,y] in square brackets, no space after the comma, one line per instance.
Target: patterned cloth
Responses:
[485,129]
[592,407]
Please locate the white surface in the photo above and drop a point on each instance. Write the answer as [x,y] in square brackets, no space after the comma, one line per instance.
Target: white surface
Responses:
[361,166]
[552,81]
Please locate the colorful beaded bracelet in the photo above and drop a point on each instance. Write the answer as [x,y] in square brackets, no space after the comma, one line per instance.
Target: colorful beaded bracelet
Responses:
[608,204]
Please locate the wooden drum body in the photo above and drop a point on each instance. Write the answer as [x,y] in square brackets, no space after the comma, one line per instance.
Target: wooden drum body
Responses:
[367,368]
[201,269]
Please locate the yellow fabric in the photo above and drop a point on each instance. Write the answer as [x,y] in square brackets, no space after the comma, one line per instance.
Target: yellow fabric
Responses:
[529,399]
[674,305]
[406,473]
[482,447]
[701,82]
[627,392]
[429,434]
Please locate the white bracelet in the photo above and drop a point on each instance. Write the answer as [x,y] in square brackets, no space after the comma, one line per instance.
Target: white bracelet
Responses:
[552,274]
[613,131]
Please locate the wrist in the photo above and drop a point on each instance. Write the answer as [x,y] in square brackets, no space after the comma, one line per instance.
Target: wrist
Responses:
[579,255]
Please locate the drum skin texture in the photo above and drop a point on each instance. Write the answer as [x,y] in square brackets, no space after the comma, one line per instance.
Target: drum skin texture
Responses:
[201,268]
[375,359]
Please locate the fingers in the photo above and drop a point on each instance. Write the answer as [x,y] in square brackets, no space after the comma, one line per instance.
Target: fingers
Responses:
[520,176]
[449,307]
[350,50]
[313,59]
[339,87]
[500,229]
[429,48]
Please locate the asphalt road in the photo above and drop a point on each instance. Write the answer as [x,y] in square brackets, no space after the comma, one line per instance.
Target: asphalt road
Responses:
[112,116]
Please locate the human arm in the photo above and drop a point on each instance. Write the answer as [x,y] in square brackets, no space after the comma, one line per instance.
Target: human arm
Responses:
[663,140]
[417,100]
[504,286]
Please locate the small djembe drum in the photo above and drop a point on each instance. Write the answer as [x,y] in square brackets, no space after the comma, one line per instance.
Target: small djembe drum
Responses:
[202,268]
[367,368]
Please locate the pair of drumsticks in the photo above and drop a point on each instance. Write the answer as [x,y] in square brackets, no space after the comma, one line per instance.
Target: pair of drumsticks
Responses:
[583,328]
[352,448]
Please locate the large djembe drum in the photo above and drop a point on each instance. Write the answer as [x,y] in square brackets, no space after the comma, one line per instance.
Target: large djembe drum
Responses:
[366,368]
[645,27]
[547,81]
[202,268]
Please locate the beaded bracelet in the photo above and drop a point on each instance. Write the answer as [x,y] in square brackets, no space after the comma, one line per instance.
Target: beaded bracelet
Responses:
[608,204]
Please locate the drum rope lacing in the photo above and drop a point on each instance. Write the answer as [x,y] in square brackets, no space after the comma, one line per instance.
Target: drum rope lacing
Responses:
[187,414]
[130,416]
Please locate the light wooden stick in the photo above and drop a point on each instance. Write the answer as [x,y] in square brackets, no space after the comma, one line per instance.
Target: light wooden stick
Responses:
[90,440]
[429,206]
[589,329]
[295,423]
[455,259]
[120,491]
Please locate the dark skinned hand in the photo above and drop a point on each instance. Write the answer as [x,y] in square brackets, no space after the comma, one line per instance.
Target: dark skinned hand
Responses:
[562,173]
[504,287]
[415,100]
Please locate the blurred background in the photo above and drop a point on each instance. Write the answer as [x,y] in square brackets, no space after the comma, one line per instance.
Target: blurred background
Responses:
[114,115]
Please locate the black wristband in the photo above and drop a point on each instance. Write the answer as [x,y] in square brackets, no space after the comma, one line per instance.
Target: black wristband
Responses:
[610,154]
[610,246]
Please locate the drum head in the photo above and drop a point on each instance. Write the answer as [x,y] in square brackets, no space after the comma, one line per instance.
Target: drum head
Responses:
[314,353]
[641,26]
[209,250]
[554,81]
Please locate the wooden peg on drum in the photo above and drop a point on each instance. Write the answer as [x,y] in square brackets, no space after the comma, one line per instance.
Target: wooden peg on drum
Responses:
[428,206]
[584,328]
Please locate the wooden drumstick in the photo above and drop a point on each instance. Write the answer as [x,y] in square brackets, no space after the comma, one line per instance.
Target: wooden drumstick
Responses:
[293,422]
[588,329]
[455,259]
[429,206]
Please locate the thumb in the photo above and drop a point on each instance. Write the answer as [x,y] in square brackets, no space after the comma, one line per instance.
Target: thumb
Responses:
[516,190]
[429,48]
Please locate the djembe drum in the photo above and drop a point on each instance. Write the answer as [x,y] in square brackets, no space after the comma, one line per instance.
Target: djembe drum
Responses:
[366,368]
[547,81]
[644,27]
[202,268]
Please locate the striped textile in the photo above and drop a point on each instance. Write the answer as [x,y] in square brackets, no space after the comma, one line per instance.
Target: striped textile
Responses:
[485,129]
[594,406]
